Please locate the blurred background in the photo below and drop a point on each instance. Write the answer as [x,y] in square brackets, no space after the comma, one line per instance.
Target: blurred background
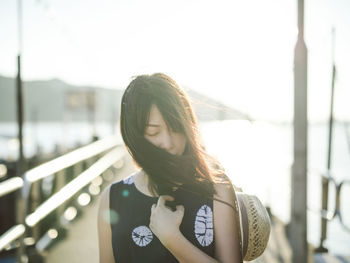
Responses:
[234,58]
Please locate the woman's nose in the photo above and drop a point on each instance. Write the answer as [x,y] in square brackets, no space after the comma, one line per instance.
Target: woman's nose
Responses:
[166,142]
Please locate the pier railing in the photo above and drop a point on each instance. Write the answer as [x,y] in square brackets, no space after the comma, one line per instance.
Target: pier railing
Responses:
[326,215]
[51,193]
[59,188]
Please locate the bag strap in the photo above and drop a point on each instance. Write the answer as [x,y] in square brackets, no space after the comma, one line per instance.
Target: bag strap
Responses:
[244,221]
[238,225]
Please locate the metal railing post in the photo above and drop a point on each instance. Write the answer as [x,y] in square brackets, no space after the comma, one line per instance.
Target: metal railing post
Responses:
[60,183]
[35,198]
[324,221]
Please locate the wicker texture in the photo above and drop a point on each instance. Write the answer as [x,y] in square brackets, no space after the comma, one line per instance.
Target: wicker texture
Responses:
[259,227]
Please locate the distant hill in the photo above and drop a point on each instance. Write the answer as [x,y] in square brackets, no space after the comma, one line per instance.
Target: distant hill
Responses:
[54,100]
[48,100]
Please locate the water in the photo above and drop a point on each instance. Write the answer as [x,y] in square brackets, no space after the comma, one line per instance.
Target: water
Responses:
[257,157]
[47,136]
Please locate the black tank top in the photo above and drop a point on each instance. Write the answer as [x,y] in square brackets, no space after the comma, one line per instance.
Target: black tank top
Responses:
[132,239]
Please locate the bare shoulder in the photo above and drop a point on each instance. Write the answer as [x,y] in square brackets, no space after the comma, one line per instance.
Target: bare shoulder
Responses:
[225,225]
[104,198]
[225,191]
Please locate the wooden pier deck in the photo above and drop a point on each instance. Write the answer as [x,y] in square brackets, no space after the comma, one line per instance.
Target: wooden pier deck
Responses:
[81,243]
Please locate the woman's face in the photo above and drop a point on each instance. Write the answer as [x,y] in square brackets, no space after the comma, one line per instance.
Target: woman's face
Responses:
[160,135]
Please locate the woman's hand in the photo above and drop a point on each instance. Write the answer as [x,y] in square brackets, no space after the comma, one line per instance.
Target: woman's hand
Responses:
[165,223]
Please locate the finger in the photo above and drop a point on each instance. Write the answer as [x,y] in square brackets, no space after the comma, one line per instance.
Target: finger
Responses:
[180,209]
[163,198]
[152,212]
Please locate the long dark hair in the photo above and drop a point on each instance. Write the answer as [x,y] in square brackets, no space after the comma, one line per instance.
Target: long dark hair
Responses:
[195,170]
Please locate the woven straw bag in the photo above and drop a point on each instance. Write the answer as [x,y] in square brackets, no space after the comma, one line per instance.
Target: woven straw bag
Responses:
[254,225]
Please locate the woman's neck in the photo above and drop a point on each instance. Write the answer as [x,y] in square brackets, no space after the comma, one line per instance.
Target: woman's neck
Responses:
[141,182]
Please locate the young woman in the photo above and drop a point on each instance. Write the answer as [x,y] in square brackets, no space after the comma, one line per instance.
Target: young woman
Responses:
[178,206]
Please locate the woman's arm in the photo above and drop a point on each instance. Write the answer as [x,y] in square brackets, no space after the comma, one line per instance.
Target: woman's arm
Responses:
[227,247]
[104,229]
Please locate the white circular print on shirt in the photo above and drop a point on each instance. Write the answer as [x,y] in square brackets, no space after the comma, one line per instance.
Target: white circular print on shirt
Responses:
[203,226]
[142,236]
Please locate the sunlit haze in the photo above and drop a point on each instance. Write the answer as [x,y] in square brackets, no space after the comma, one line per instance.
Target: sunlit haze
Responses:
[239,52]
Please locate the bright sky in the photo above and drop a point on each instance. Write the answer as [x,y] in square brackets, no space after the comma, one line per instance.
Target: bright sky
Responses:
[239,52]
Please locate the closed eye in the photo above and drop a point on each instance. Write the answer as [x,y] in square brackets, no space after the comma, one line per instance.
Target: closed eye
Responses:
[154,134]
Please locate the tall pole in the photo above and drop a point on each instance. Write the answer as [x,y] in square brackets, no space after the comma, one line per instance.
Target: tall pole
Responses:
[332,103]
[20,119]
[19,89]
[298,233]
